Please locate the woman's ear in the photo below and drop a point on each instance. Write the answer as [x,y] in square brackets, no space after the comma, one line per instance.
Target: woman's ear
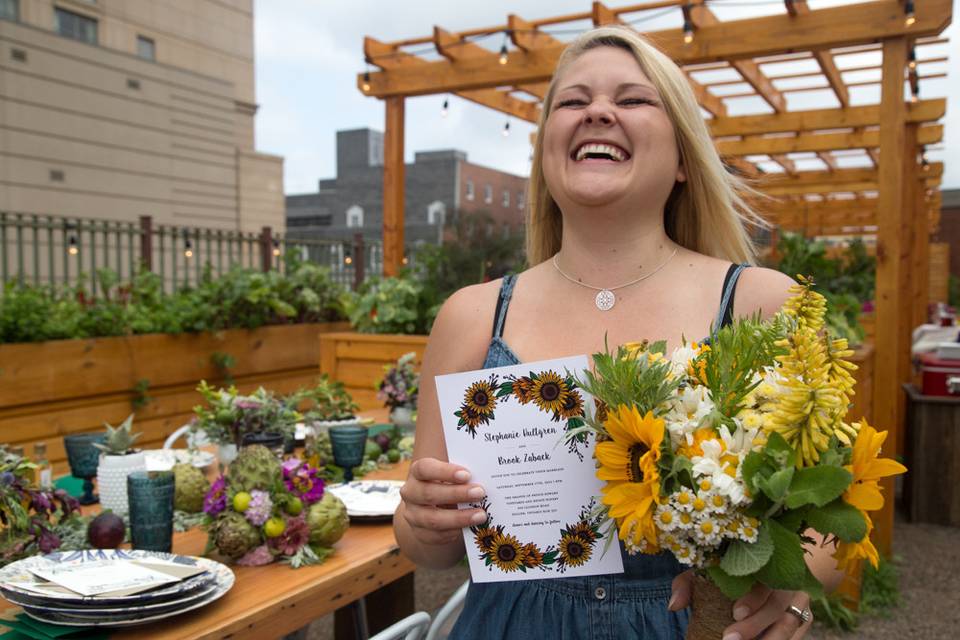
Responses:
[681,173]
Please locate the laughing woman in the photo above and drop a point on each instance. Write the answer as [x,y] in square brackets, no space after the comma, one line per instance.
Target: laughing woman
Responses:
[635,230]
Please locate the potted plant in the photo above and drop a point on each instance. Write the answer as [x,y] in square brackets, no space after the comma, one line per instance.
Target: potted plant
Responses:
[399,389]
[117,460]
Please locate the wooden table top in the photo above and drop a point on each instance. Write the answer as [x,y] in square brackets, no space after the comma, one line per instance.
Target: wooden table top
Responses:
[273,600]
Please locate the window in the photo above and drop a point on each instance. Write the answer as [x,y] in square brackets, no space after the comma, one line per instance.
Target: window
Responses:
[437,213]
[519,199]
[506,198]
[9,10]
[487,193]
[469,189]
[355,216]
[75,26]
[146,48]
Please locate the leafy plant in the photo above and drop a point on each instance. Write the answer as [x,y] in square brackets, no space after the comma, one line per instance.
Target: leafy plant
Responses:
[400,384]
[831,611]
[229,416]
[879,590]
[390,305]
[119,440]
[140,398]
[327,400]
[223,362]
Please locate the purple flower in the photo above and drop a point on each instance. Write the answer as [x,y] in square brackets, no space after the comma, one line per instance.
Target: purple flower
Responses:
[256,557]
[295,535]
[247,404]
[303,481]
[7,478]
[261,506]
[49,541]
[216,499]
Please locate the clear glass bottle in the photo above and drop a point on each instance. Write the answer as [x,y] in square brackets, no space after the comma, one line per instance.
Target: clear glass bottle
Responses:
[44,471]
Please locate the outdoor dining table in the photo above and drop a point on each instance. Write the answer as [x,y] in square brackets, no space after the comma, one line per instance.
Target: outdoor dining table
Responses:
[274,600]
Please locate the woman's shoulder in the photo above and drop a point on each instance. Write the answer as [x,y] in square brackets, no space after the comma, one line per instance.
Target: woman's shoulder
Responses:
[464,325]
[761,289]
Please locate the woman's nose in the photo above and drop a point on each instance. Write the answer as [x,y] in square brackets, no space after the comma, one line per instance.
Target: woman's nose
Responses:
[598,112]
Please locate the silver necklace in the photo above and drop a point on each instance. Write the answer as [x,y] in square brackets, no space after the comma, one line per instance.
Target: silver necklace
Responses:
[605,298]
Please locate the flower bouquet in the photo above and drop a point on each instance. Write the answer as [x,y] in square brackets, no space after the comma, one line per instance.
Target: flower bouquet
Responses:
[229,416]
[727,455]
[398,390]
[263,510]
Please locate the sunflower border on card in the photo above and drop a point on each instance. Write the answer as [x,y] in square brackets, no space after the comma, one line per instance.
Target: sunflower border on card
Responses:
[551,393]
[479,402]
[577,540]
[504,551]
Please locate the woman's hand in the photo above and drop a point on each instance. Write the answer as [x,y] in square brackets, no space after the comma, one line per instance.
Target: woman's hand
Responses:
[430,496]
[762,613]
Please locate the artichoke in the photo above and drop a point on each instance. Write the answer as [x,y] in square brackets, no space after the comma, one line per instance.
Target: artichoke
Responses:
[233,535]
[255,467]
[327,520]
[190,486]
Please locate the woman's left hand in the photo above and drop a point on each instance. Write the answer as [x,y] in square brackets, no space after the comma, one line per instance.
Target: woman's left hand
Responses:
[762,613]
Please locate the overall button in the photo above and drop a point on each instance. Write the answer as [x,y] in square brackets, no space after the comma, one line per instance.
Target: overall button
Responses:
[600,593]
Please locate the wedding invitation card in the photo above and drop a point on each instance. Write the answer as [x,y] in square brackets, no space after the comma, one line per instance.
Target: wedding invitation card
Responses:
[507,426]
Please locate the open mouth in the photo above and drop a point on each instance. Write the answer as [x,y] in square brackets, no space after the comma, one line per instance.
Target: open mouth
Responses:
[599,151]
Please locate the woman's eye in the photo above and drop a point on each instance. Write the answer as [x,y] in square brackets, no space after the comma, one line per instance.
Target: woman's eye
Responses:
[571,102]
[635,101]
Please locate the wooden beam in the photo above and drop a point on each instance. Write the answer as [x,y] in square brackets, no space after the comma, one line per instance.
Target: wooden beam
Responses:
[526,37]
[817,142]
[837,178]
[893,257]
[816,119]
[393,183]
[538,89]
[825,60]
[740,39]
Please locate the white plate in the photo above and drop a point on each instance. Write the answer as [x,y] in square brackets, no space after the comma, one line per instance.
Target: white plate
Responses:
[369,498]
[164,459]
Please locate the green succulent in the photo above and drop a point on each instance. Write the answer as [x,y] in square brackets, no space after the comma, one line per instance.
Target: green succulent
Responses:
[119,440]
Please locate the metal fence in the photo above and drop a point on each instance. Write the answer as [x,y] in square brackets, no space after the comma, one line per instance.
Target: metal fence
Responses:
[56,250]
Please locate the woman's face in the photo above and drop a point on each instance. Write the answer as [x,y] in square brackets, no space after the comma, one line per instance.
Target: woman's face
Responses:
[608,140]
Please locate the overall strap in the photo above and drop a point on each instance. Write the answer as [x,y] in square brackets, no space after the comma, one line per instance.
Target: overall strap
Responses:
[725,312]
[503,301]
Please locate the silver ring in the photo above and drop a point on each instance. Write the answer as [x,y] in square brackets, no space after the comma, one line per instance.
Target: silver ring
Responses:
[803,615]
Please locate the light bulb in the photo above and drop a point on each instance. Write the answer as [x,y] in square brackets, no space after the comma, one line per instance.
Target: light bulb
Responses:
[503,54]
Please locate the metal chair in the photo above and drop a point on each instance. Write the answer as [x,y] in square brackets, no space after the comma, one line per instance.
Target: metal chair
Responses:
[448,613]
[195,439]
[410,628]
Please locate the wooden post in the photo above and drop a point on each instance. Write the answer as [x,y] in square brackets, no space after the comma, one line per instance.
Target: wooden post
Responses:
[921,245]
[393,177]
[359,261]
[266,249]
[893,267]
[146,242]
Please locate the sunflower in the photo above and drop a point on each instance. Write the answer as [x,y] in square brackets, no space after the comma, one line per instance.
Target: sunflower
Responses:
[521,389]
[484,536]
[549,392]
[628,462]
[572,406]
[506,552]
[574,550]
[583,530]
[864,492]
[481,397]
[531,555]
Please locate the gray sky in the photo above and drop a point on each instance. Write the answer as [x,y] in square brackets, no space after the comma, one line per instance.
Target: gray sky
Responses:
[308,53]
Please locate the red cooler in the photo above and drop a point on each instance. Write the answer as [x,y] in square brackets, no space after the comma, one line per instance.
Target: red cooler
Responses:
[940,377]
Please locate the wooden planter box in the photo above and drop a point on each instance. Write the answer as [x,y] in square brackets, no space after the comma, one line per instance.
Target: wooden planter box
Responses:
[50,389]
[358,359]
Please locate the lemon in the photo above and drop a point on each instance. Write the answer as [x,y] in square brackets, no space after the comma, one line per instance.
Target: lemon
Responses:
[294,506]
[274,527]
[241,501]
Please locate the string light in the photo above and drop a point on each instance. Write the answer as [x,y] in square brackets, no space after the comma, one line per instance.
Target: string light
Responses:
[506,129]
[923,159]
[348,260]
[911,17]
[366,81]
[503,52]
[912,59]
[446,108]
[687,25]
[187,245]
[914,89]
[405,260]
[73,250]
[276,247]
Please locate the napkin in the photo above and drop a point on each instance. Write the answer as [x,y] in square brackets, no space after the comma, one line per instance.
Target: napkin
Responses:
[23,626]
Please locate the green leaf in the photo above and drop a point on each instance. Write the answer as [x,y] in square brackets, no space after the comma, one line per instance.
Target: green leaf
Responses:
[750,466]
[780,450]
[786,569]
[776,485]
[744,558]
[734,587]
[839,518]
[818,485]
[793,519]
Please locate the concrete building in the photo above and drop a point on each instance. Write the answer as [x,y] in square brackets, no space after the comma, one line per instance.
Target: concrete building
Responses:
[438,183]
[114,109]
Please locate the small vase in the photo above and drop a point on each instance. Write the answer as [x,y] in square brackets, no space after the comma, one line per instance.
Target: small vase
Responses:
[112,479]
[712,612]
[402,417]
[226,453]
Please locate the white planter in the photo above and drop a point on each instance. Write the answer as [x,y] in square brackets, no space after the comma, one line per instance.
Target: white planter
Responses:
[112,479]
[403,418]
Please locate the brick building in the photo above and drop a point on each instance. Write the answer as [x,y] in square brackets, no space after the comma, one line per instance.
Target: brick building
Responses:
[438,184]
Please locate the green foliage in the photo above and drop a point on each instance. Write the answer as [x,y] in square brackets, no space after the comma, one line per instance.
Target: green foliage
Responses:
[223,362]
[746,558]
[228,416]
[818,485]
[840,519]
[119,440]
[630,379]
[879,590]
[830,610]
[140,398]
[326,400]
[390,305]
[734,587]
[241,298]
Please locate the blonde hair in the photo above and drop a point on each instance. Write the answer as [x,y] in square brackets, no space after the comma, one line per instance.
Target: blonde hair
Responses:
[707,213]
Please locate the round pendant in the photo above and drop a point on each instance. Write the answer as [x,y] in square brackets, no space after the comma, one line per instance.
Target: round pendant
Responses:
[605,300]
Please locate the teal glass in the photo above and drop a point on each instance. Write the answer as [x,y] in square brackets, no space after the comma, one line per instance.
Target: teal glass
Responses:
[151,510]
[84,459]
[349,443]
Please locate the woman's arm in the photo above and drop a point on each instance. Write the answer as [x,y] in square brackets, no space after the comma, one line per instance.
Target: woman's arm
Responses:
[427,523]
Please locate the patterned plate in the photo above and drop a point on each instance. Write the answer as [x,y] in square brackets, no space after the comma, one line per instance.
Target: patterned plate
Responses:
[132,618]
[112,612]
[368,499]
[19,572]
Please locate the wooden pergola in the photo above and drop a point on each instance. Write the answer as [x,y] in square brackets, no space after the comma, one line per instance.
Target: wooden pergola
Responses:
[894,195]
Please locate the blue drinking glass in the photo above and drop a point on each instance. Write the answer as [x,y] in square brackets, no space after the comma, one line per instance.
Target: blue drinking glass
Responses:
[151,509]
[349,443]
[84,459]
